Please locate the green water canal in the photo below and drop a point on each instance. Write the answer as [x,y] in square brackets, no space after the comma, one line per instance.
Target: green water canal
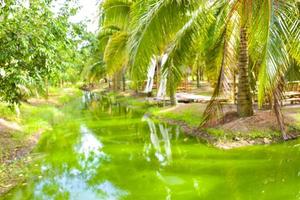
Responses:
[103,150]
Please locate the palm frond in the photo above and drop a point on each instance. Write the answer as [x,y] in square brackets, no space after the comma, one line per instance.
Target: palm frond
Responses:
[116,13]
[275,57]
[115,55]
[179,51]
[289,23]
[214,110]
[94,71]
[224,61]
[154,24]
[181,48]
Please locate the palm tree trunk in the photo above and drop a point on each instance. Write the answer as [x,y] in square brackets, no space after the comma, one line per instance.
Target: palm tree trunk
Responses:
[198,77]
[234,87]
[279,117]
[244,99]
[202,73]
[172,95]
[158,71]
[124,79]
[171,87]
[114,83]
[117,81]
[123,83]
[277,108]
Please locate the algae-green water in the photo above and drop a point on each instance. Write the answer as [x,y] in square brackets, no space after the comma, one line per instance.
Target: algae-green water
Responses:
[104,150]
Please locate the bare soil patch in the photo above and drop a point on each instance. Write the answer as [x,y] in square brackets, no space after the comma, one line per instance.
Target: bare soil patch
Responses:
[13,154]
[261,128]
[261,120]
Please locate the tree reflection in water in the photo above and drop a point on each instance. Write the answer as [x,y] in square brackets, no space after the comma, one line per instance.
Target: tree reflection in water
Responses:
[74,183]
[160,144]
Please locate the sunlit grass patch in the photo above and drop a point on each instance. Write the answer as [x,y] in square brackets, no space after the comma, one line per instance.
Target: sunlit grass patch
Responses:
[6,112]
[191,114]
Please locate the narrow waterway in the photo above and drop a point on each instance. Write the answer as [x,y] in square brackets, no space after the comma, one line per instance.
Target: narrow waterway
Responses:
[103,150]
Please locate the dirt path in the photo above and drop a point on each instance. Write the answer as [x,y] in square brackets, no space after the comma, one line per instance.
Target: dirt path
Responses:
[14,154]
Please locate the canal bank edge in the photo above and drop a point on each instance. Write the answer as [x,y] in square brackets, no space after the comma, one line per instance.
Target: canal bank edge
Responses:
[260,129]
[20,134]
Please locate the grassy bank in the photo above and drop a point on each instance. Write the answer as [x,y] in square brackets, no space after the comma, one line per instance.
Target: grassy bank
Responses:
[262,128]
[20,133]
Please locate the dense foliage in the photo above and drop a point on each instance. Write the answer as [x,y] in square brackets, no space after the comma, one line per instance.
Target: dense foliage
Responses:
[37,47]
[252,44]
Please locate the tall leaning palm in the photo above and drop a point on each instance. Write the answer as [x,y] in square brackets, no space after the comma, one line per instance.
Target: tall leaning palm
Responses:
[244,99]
[259,31]
[232,30]
[269,25]
[266,31]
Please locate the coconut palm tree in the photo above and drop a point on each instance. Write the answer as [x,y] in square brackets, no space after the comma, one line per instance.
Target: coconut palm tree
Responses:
[114,26]
[261,34]
[169,27]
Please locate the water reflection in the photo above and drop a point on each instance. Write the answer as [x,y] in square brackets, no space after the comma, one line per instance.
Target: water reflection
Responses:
[72,186]
[100,154]
[88,97]
[75,182]
[160,144]
[105,106]
[90,151]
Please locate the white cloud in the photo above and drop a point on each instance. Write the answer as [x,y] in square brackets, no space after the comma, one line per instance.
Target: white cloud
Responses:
[88,12]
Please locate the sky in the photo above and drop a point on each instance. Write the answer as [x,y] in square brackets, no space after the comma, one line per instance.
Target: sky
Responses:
[88,11]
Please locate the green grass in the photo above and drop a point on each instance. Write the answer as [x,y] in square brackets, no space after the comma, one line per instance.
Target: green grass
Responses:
[6,112]
[44,115]
[251,135]
[264,134]
[63,95]
[217,132]
[297,123]
[189,116]
[32,119]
